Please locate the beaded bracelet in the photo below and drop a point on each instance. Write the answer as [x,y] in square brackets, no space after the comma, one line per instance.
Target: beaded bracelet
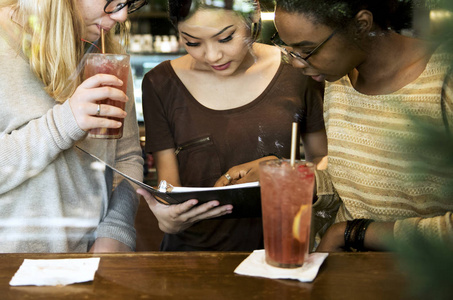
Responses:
[354,234]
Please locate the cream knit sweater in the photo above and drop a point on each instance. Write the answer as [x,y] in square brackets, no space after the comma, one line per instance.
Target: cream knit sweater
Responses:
[372,163]
[53,197]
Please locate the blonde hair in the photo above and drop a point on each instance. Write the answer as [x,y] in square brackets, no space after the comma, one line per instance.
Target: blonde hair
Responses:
[52,40]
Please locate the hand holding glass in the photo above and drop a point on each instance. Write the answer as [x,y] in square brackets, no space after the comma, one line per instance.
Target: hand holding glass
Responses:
[114,64]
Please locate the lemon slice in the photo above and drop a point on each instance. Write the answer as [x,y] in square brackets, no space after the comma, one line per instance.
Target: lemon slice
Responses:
[299,231]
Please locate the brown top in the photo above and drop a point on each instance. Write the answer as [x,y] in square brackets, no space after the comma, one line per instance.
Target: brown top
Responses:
[212,141]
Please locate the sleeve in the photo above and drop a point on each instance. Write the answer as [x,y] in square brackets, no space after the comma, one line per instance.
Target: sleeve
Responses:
[119,221]
[324,209]
[28,149]
[314,94]
[156,92]
[438,227]
[447,102]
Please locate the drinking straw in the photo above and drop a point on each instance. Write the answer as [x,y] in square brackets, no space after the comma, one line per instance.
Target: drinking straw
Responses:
[294,143]
[102,41]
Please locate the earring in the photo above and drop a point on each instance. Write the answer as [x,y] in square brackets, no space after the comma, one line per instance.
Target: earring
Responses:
[255,29]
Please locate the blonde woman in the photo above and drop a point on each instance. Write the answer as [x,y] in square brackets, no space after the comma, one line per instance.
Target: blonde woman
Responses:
[52,197]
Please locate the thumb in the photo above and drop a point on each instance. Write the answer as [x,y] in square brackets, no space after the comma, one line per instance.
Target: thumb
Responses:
[152,202]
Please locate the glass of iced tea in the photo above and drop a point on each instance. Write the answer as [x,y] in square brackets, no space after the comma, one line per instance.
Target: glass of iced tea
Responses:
[113,64]
[286,200]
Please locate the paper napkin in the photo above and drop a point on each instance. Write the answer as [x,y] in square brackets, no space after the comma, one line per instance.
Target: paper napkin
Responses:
[255,265]
[55,271]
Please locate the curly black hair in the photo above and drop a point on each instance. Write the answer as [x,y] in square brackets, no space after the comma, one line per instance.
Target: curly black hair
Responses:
[387,14]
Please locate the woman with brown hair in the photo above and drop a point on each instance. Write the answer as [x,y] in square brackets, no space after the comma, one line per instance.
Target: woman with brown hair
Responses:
[212,115]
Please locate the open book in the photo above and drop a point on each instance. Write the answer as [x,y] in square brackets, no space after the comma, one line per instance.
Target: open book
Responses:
[245,197]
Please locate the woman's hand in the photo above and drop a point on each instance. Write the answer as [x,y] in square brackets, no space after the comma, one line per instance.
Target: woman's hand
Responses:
[247,172]
[176,218]
[84,107]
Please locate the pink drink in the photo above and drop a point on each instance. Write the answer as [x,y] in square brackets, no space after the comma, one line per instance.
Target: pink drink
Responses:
[114,64]
[286,199]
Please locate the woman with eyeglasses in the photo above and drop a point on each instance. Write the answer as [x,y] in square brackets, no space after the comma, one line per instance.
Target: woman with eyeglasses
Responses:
[53,197]
[382,86]
[221,109]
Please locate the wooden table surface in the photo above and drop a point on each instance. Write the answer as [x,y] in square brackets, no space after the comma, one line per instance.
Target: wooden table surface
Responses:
[209,275]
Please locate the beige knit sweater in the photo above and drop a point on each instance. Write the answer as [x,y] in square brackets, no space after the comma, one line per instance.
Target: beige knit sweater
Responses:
[372,163]
[53,198]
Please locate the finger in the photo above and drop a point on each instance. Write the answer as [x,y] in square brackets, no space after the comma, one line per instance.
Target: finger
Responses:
[243,173]
[107,110]
[222,181]
[102,80]
[214,213]
[179,209]
[210,208]
[191,212]
[226,178]
[148,197]
[106,92]
[100,122]
[251,177]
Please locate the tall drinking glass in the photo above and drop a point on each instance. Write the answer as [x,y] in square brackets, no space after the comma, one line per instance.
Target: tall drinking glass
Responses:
[113,64]
[286,200]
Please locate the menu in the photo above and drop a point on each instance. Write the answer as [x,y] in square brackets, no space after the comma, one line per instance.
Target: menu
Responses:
[245,197]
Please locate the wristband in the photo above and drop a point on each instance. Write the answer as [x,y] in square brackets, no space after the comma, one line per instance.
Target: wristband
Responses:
[354,234]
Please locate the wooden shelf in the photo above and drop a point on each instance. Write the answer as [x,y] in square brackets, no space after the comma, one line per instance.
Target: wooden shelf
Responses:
[149,15]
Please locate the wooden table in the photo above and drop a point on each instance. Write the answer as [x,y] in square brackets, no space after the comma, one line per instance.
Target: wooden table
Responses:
[154,275]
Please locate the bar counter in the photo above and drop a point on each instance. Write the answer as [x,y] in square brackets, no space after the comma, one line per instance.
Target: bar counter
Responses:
[209,275]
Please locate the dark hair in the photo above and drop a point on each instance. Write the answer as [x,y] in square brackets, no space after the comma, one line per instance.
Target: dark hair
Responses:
[387,14]
[179,10]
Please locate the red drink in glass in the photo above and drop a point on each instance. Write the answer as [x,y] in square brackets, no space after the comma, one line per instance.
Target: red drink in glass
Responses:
[286,200]
[114,64]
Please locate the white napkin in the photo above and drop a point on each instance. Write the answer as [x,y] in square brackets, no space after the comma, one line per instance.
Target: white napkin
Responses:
[55,271]
[255,265]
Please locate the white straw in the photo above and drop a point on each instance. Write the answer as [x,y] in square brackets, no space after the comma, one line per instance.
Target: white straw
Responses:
[294,143]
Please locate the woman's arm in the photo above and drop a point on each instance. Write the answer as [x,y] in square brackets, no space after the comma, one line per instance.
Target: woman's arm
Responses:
[378,237]
[109,245]
[315,145]
[167,166]
[117,225]
[29,143]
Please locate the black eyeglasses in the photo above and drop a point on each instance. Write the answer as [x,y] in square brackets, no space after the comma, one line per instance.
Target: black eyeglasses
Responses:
[114,6]
[289,51]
